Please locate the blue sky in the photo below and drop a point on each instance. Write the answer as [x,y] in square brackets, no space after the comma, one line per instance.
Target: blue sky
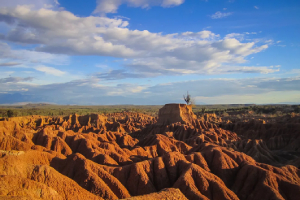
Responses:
[149,51]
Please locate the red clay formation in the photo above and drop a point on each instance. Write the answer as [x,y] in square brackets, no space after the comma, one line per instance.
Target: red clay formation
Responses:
[135,156]
[172,113]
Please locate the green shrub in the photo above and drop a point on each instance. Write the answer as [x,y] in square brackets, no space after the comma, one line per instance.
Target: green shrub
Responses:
[10,113]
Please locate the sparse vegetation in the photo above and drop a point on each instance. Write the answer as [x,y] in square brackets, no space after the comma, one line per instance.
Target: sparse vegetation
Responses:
[64,110]
[187,98]
[10,113]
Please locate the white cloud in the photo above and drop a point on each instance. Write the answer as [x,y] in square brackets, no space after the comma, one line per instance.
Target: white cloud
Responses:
[61,32]
[49,70]
[111,6]
[199,35]
[238,36]
[219,15]
[256,7]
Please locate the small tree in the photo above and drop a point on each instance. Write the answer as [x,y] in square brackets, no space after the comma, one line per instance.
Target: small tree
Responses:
[10,113]
[187,98]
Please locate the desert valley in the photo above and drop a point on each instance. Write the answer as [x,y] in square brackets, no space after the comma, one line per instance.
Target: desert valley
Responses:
[91,100]
[130,155]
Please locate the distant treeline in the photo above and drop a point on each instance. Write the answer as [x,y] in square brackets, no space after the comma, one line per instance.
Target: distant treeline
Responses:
[239,108]
[63,110]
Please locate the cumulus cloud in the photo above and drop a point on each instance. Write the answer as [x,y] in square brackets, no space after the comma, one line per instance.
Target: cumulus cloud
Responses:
[238,48]
[148,54]
[79,35]
[111,6]
[219,15]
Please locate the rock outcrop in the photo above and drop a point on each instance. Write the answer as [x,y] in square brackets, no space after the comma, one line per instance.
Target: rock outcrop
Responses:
[173,113]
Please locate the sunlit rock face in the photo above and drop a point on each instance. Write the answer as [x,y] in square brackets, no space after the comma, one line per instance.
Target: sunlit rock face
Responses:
[172,113]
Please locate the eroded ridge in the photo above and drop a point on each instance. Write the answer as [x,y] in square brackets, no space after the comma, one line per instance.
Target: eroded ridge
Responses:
[125,155]
[273,141]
